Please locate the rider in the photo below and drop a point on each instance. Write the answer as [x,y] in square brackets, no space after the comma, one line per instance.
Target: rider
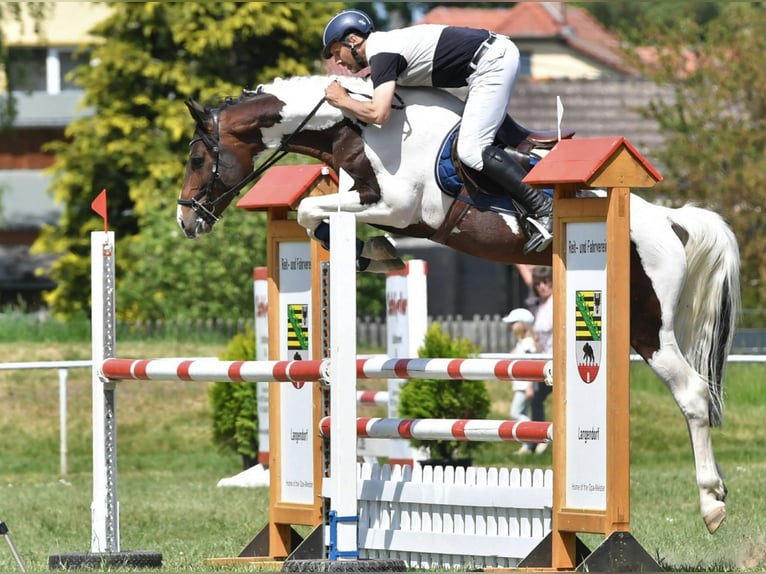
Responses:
[445,57]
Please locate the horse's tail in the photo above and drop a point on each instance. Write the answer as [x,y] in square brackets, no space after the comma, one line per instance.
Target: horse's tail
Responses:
[709,304]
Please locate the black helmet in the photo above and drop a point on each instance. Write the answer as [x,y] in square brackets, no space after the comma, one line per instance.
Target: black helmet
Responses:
[342,24]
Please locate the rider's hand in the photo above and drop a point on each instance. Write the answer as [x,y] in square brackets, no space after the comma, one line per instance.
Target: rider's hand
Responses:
[335,94]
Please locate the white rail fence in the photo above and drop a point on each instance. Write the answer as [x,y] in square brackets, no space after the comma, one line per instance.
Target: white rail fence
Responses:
[63,372]
[495,516]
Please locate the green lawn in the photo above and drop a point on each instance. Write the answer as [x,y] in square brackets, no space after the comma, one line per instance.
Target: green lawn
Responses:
[168,468]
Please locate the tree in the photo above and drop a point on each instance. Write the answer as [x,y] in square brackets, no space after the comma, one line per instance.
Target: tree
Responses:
[151,57]
[235,405]
[628,18]
[455,399]
[715,125]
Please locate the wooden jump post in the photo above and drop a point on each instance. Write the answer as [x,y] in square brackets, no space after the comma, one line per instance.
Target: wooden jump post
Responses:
[591,399]
[296,331]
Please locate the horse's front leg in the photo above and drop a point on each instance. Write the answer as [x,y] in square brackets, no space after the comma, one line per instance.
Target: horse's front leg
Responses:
[692,396]
[313,210]
[377,255]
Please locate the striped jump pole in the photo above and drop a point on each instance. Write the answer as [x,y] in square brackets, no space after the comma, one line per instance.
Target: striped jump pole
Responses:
[215,370]
[372,398]
[313,370]
[472,430]
[463,369]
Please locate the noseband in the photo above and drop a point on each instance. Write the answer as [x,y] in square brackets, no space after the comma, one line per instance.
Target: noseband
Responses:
[204,203]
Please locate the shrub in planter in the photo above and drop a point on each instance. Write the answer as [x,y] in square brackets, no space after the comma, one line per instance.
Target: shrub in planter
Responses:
[235,405]
[454,399]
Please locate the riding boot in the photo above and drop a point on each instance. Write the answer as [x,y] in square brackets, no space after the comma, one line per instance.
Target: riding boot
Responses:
[507,173]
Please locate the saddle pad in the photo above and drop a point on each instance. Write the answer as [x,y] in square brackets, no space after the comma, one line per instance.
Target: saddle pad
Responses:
[449,181]
[445,172]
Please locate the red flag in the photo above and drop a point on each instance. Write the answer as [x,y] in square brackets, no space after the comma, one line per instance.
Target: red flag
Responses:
[99,206]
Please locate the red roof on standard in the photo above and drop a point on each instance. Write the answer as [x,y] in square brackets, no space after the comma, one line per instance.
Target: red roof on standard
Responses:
[283,186]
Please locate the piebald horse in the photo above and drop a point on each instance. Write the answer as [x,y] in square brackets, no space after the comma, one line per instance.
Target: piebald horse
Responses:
[684,262]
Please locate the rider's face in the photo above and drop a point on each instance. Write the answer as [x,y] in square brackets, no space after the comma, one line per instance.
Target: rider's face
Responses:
[342,56]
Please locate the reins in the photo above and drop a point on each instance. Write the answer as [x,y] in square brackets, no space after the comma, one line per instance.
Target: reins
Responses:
[204,208]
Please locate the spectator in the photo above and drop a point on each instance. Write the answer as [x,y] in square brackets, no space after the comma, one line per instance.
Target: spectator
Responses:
[521,321]
[539,279]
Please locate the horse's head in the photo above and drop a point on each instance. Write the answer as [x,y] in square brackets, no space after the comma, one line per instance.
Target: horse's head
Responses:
[289,115]
[226,139]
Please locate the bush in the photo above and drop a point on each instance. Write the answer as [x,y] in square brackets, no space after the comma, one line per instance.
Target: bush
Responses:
[235,405]
[454,399]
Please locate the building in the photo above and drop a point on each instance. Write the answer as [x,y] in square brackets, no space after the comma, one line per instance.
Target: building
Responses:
[47,101]
[555,40]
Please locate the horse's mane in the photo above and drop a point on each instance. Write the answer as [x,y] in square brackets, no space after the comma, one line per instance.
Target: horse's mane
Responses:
[223,102]
[302,94]
[314,85]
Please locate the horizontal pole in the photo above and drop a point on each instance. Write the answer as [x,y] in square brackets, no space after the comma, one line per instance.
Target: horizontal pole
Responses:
[459,369]
[472,430]
[45,365]
[285,371]
[372,398]
[214,370]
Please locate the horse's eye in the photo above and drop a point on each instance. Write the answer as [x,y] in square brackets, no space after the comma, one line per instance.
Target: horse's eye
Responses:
[197,162]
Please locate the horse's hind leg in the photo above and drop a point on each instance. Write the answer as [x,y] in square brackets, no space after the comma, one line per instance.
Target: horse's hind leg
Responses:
[692,396]
[688,388]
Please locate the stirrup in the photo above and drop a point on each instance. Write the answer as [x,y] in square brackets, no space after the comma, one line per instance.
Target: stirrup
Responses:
[540,240]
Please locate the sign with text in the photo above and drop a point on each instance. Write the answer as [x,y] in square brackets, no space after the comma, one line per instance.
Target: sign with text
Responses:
[261,302]
[406,325]
[586,387]
[296,399]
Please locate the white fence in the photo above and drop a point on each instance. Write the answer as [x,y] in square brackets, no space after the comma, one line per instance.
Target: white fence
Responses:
[63,370]
[464,517]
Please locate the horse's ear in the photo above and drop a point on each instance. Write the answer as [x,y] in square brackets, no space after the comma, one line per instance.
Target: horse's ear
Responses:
[198,112]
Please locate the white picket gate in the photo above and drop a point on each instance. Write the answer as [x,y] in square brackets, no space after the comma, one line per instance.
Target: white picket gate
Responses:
[446,517]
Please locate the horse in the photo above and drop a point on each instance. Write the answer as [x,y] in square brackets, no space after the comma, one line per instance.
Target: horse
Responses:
[684,262]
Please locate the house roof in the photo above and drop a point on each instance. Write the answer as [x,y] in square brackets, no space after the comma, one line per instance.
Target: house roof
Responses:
[534,21]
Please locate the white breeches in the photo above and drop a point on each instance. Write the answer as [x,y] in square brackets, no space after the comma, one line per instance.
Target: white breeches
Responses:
[490,88]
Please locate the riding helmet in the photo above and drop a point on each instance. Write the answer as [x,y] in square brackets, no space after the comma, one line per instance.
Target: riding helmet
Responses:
[342,24]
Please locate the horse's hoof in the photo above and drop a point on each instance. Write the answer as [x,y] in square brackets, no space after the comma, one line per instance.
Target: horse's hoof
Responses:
[715,518]
[379,248]
[385,266]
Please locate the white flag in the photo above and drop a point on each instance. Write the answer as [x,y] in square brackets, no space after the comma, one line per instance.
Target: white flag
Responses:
[559,114]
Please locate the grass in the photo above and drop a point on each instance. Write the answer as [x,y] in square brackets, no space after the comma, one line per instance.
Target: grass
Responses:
[168,468]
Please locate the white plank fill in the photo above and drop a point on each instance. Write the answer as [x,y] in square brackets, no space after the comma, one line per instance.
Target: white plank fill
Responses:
[450,517]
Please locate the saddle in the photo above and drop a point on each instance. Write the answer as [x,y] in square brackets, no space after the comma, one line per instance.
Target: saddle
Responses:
[470,188]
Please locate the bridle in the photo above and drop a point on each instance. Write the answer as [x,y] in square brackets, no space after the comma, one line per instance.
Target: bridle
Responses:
[204,203]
